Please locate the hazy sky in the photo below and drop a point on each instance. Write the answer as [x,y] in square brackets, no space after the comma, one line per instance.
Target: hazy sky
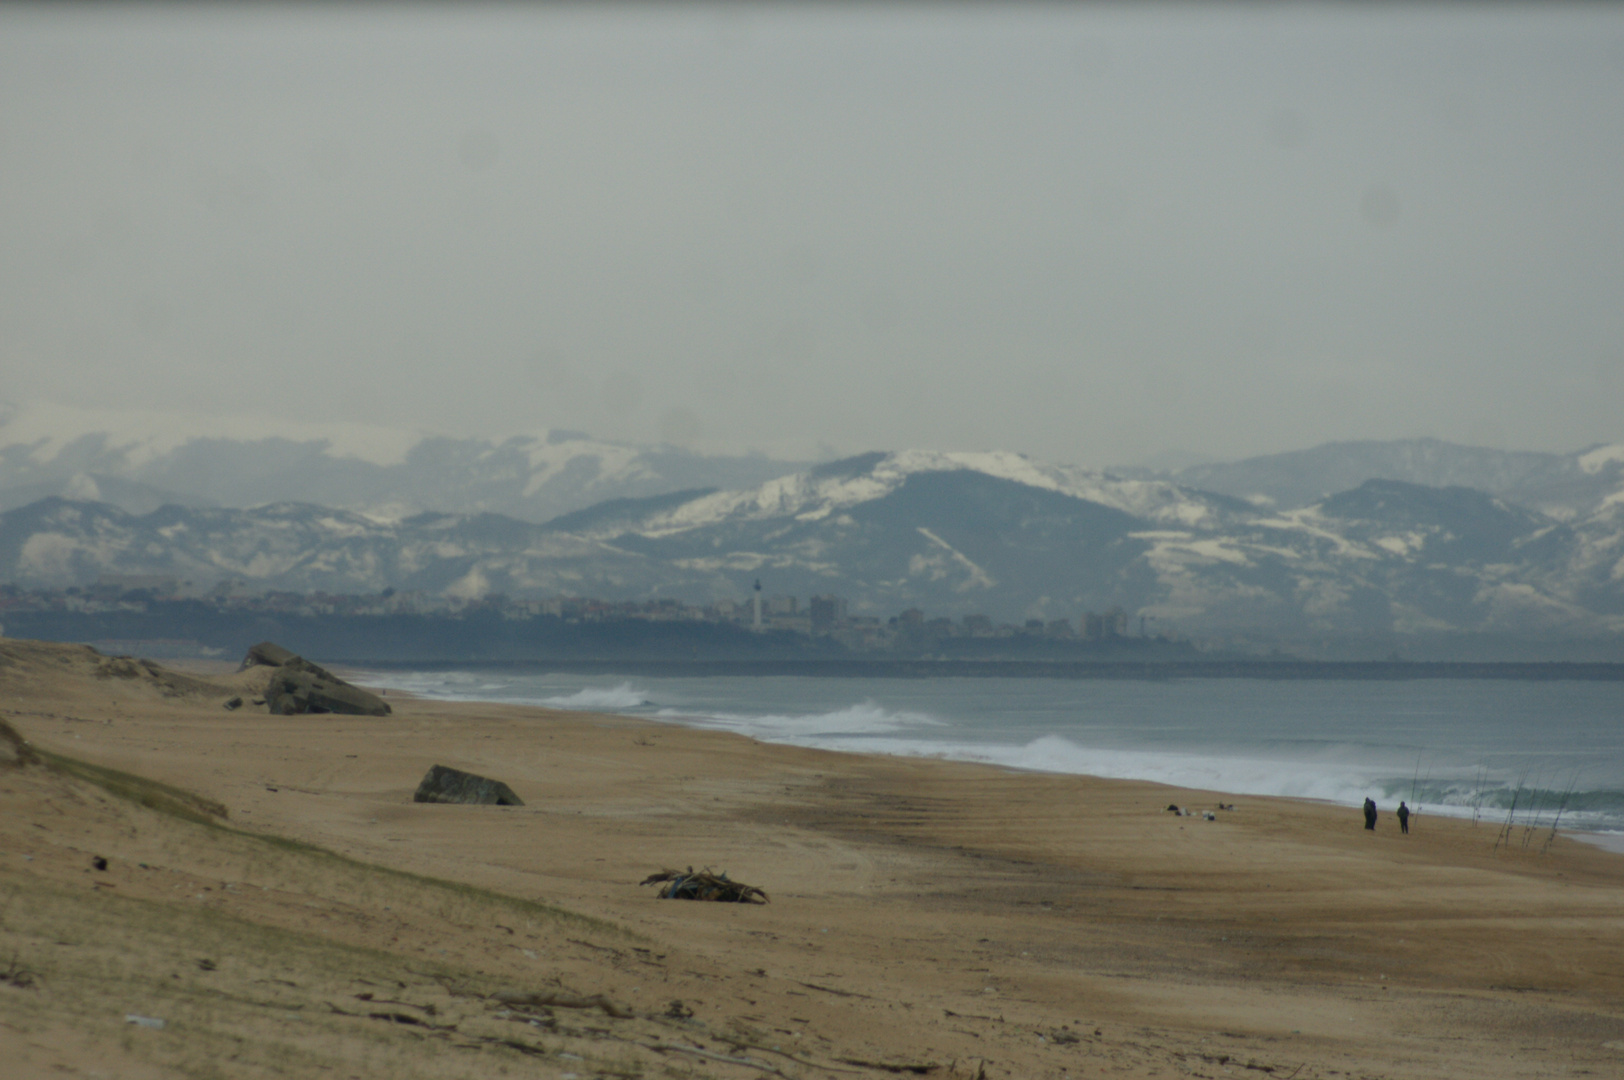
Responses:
[1087,233]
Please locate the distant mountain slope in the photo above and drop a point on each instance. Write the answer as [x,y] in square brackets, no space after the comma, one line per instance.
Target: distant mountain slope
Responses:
[141,460]
[1561,485]
[301,547]
[954,541]
[129,459]
[131,495]
[951,533]
[1386,557]
[827,489]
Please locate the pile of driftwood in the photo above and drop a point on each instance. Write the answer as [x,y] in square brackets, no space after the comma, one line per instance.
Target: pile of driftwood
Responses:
[687,885]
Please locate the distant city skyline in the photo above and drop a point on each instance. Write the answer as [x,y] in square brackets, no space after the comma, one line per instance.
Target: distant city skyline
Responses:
[1093,234]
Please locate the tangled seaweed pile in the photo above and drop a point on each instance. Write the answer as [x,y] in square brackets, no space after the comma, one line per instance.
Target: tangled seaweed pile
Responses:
[687,885]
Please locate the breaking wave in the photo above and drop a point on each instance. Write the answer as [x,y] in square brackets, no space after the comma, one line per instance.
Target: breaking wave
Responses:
[862,720]
[601,698]
[445,685]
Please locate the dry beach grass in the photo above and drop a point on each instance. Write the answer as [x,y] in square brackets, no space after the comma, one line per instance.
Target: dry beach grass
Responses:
[274,896]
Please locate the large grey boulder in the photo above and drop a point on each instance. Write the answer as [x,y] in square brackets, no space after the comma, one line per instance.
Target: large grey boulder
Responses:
[267,654]
[294,691]
[270,654]
[443,785]
[297,686]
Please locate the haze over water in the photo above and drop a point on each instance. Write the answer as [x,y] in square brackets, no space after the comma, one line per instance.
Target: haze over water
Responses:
[1458,747]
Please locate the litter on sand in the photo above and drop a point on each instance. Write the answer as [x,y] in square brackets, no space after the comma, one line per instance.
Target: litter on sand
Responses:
[687,885]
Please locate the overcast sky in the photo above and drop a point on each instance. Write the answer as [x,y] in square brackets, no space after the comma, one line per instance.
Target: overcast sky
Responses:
[1092,234]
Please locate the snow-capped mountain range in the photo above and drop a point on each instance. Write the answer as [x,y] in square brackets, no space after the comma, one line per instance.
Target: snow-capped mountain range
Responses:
[140,461]
[953,533]
[1565,486]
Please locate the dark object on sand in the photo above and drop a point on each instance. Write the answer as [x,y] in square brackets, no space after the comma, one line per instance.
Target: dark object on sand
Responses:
[1370,814]
[268,654]
[98,862]
[297,686]
[443,785]
[687,885]
[14,974]
[233,703]
[562,999]
[292,692]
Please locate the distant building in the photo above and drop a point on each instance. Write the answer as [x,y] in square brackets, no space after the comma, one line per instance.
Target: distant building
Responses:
[1060,628]
[827,612]
[1114,623]
[912,617]
[976,626]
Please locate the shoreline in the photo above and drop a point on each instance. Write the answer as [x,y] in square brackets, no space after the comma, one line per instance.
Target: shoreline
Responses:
[963,754]
[967,919]
[1137,670]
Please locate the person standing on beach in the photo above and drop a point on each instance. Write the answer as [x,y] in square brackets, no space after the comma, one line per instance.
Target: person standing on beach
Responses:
[1403,818]
[1370,814]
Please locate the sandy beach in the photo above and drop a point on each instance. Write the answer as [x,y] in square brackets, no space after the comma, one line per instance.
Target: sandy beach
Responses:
[276,899]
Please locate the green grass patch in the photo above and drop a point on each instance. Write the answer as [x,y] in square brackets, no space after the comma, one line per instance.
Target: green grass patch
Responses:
[457,890]
[152,794]
[195,809]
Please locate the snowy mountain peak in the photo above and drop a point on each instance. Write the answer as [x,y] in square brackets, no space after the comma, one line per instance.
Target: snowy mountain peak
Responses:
[140,437]
[837,486]
[141,459]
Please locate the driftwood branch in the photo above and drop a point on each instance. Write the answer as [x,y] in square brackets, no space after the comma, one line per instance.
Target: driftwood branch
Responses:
[677,1048]
[559,999]
[704,885]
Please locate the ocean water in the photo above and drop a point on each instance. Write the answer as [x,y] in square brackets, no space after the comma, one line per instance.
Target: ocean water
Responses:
[1537,752]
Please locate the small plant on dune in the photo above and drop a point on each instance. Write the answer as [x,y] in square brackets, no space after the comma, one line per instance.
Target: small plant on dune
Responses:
[1531,816]
[1511,814]
[1562,805]
[1477,793]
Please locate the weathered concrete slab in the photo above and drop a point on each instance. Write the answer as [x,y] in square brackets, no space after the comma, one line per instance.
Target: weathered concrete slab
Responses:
[267,654]
[293,691]
[445,785]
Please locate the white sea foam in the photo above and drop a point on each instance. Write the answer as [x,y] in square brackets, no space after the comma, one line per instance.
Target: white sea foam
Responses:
[601,698]
[444,685]
[1331,782]
[470,686]
[816,729]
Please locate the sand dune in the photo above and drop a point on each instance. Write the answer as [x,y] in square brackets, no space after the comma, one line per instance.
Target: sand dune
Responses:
[937,918]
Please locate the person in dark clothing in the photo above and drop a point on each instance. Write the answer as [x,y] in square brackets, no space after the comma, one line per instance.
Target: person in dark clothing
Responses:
[1370,813]
[1403,818]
